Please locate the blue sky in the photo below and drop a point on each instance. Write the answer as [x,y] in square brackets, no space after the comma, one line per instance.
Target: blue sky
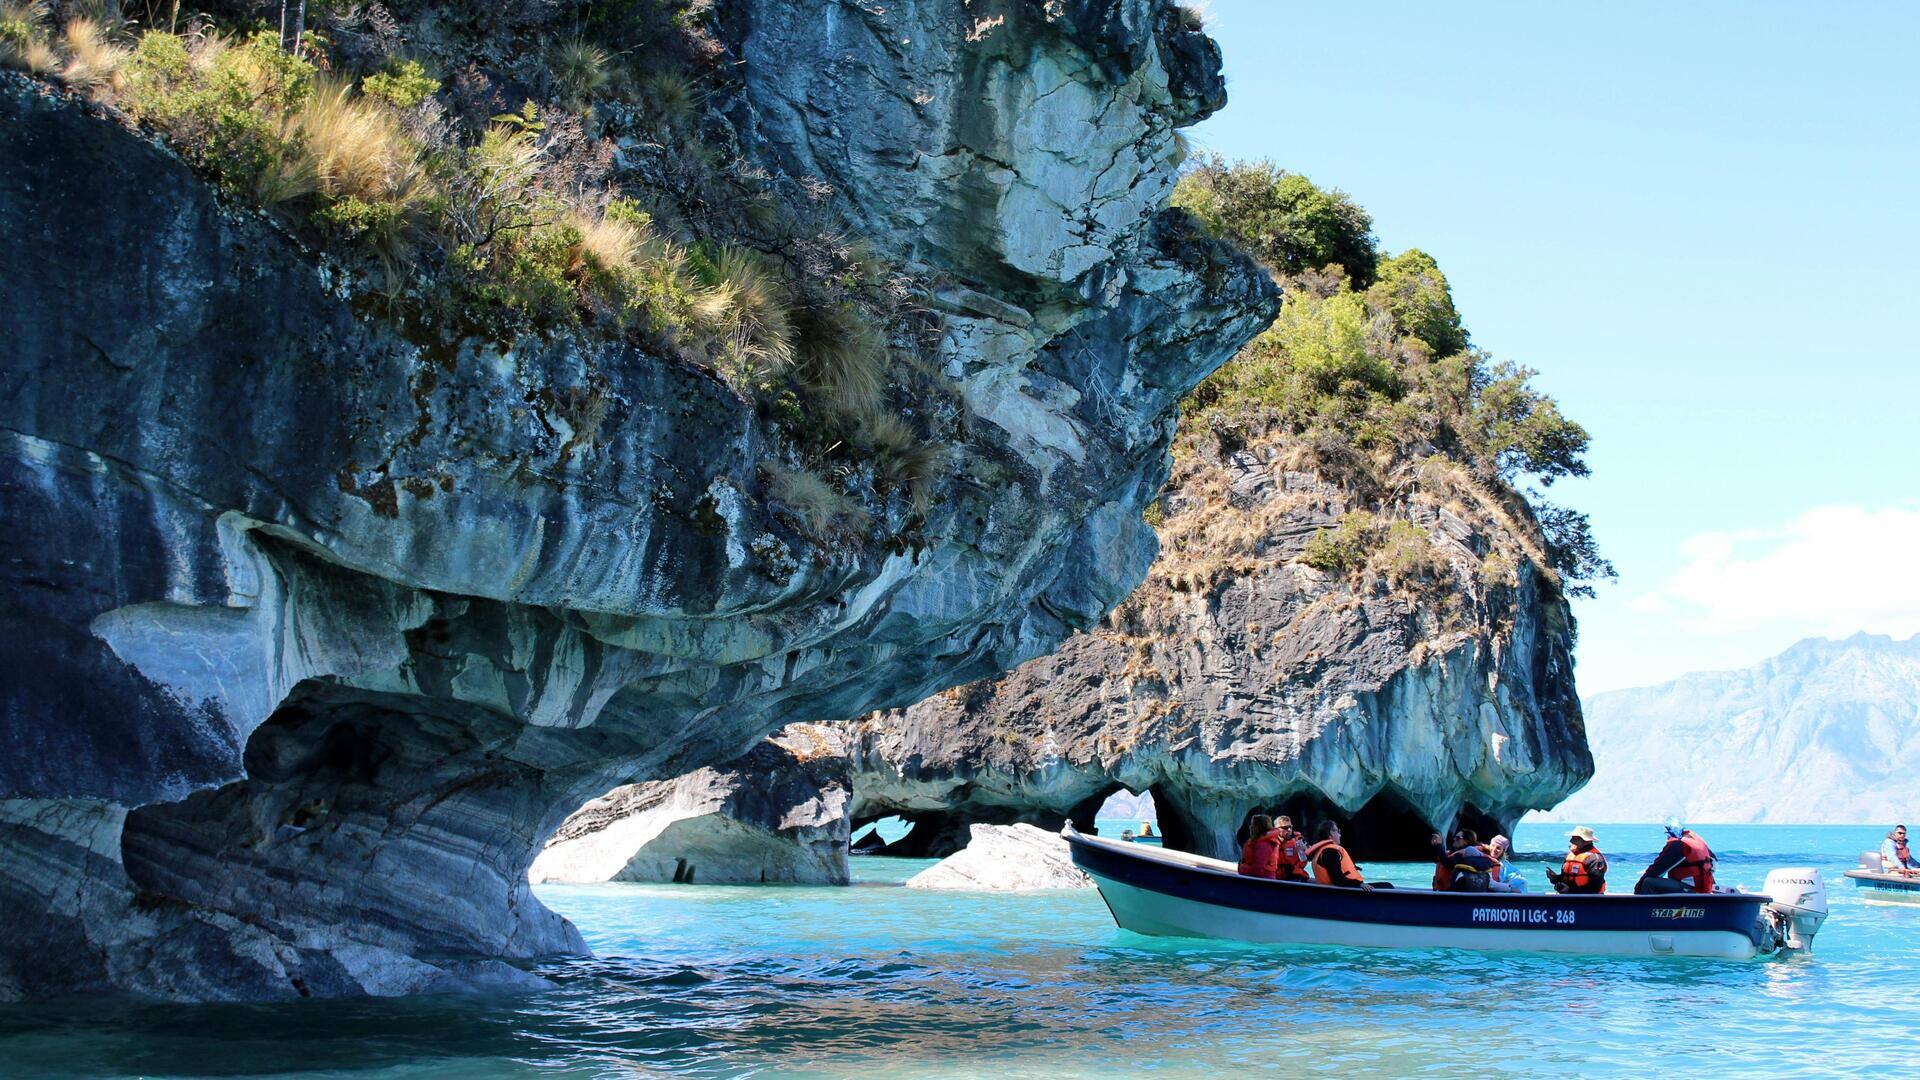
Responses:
[1699,223]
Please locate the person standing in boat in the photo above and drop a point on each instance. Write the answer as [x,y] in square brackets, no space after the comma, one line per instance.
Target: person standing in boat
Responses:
[1467,868]
[1685,864]
[1585,869]
[1895,856]
[1331,863]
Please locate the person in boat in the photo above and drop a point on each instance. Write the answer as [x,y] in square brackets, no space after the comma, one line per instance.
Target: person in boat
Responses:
[1895,856]
[1331,863]
[1585,870]
[1685,864]
[1293,851]
[1146,829]
[1260,855]
[1503,878]
[1466,868]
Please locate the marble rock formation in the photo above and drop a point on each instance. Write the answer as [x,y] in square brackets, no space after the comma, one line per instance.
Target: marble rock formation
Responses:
[317,634]
[1005,858]
[1239,678]
[777,814]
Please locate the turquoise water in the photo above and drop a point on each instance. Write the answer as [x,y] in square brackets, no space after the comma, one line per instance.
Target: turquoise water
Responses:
[879,980]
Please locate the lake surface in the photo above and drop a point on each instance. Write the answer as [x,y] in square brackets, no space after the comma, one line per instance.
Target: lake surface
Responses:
[880,980]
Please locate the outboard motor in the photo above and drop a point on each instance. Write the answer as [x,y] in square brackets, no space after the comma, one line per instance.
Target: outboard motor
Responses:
[1799,906]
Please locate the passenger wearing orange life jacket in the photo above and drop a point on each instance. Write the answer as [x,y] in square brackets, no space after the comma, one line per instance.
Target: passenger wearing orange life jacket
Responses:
[1260,855]
[1685,864]
[1585,868]
[1331,863]
[1895,856]
[1292,865]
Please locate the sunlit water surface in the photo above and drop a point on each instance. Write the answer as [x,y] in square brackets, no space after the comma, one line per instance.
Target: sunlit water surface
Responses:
[876,979]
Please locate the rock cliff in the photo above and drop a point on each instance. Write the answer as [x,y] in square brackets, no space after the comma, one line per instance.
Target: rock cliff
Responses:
[318,632]
[777,814]
[1240,678]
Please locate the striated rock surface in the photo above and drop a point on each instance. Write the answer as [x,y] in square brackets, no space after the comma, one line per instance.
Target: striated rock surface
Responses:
[317,634]
[777,814]
[1005,858]
[1239,678]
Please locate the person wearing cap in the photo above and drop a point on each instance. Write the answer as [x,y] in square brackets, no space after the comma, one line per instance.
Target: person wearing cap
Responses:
[1685,864]
[1585,870]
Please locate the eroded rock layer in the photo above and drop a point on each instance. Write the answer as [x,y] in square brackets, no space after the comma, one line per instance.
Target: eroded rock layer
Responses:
[1239,678]
[777,814]
[317,634]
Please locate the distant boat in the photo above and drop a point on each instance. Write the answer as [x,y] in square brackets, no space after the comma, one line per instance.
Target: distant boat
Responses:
[1877,886]
[1175,894]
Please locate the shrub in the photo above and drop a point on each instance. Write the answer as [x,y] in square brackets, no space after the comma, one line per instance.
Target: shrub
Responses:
[1345,547]
[1413,291]
[403,85]
[1280,218]
[1406,557]
[1521,430]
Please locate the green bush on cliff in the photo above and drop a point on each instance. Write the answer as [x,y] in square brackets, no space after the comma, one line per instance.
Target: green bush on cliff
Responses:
[1369,367]
[1280,218]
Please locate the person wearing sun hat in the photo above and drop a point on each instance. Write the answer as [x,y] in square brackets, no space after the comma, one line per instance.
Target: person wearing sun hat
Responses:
[1585,870]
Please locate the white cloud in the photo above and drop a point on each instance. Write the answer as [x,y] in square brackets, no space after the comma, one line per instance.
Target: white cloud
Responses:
[1831,571]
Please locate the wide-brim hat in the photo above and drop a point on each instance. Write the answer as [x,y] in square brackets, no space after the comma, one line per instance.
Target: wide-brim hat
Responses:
[1583,833]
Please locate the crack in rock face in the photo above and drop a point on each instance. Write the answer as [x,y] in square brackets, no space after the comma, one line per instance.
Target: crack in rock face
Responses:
[318,635]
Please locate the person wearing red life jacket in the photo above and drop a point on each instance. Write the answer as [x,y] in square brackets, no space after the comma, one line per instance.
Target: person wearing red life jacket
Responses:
[1685,864]
[1260,855]
[1585,870]
[1895,856]
[1331,863]
[1293,851]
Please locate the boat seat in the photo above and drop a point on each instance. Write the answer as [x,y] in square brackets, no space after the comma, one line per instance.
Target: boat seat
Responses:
[1870,860]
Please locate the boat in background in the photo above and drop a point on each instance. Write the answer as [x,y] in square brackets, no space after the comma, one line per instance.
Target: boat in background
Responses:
[1880,886]
[1176,894]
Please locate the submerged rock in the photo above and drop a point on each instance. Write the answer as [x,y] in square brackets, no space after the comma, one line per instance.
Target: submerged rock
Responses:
[1006,858]
[777,814]
[317,633]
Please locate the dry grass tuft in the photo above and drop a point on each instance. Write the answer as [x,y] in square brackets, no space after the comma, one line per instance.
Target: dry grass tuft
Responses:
[23,37]
[748,315]
[822,509]
[93,58]
[844,360]
[358,147]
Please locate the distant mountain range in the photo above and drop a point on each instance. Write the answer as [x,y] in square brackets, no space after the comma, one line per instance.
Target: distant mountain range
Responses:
[1826,732]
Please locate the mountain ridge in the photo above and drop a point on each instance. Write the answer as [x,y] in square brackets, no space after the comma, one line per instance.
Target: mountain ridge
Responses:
[1815,734]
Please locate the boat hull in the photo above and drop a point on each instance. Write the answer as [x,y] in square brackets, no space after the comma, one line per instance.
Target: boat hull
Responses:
[1169,894]
[1883,888]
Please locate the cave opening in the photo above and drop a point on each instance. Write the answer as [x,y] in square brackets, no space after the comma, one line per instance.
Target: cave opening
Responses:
[1179,830]
[1387,827]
